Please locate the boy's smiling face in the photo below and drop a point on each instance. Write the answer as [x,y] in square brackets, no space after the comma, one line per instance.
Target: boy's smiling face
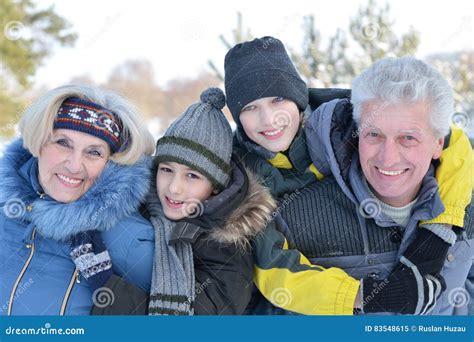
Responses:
[271,122]
[181,190]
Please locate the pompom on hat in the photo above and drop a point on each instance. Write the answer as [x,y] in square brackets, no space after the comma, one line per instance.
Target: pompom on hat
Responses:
[200,138]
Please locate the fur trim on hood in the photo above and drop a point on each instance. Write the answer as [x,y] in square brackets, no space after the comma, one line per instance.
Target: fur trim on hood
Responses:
[116,194]
[250,217]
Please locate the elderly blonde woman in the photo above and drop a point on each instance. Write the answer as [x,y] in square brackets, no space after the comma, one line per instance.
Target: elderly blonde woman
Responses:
[70,189]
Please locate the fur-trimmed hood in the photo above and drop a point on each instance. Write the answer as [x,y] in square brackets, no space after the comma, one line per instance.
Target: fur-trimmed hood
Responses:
[250,217]
[117,193]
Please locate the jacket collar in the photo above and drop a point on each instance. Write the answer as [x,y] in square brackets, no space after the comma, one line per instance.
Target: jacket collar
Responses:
[245,208]
[295,157]
[29,172]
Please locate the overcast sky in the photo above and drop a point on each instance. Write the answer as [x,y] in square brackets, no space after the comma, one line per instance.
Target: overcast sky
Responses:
[179,36]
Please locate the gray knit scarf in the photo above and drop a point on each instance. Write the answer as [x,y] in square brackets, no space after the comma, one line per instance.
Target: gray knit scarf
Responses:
[173,282]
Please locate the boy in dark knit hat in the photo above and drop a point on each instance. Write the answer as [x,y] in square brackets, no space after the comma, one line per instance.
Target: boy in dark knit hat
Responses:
[267,99]
[205,209]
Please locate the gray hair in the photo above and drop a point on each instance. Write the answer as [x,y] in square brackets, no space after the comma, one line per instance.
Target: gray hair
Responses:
[405,79]
[36,125]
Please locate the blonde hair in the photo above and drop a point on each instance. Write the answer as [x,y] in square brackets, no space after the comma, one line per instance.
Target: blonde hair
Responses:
[36,125]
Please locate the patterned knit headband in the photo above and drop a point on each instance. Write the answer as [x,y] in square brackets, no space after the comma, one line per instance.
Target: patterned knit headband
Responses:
[91,118]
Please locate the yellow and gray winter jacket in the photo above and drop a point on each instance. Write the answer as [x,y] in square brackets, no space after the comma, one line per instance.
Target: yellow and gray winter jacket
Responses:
[284,273]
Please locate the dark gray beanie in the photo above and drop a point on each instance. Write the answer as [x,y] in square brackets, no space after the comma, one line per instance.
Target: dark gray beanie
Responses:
[200,138]
[261,68]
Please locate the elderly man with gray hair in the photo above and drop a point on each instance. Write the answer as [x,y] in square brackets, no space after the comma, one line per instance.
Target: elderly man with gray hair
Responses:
[402,111]
[376,217]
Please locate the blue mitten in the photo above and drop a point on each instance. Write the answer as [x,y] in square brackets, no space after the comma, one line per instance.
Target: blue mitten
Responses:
[91,257]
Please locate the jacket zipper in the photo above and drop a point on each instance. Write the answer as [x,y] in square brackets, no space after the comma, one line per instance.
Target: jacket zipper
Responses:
[22,272]
[74,279]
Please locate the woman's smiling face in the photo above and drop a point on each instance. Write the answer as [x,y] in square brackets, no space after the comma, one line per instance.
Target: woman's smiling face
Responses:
[69,164]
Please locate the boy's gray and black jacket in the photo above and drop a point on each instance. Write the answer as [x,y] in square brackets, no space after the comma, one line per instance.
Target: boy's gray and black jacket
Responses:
[221,243]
